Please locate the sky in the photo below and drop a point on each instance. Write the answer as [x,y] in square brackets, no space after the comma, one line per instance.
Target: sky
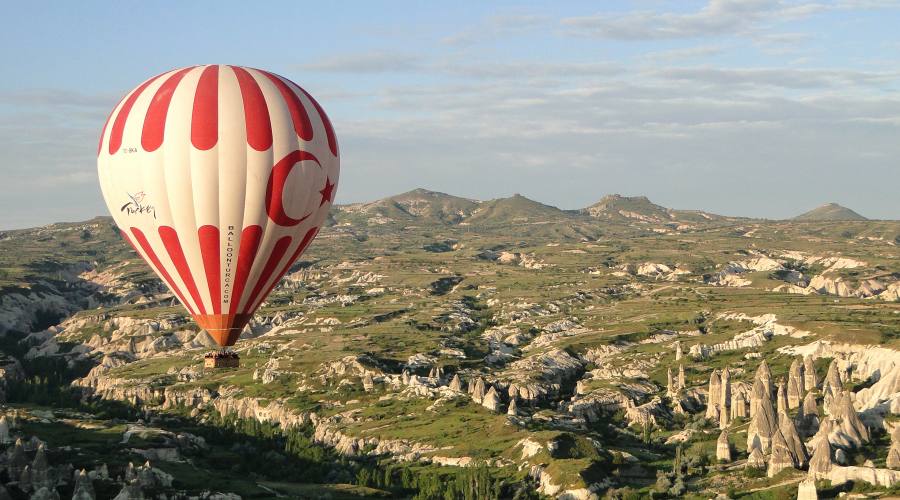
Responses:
[758,108]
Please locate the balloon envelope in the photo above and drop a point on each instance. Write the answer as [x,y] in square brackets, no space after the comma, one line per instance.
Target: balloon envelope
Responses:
[220,177]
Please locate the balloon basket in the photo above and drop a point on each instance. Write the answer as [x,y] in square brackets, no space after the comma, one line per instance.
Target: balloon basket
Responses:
[221,359]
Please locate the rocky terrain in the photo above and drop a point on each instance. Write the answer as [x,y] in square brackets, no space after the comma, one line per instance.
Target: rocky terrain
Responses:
[432,346]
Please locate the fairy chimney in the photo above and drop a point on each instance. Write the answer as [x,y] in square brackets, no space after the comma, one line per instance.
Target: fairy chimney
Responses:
[781,457]
[714,396]
[478,390]
[756,459]
[795,383]
[723,448]
[851,425]
[763,423]
[739,403]
[491,400]
[4,430]
[820,464]
[792,437]
[725,393]
[810,378]
[781,397]
[893,458]
[456,383]
[513,410]
[806,490]
[765,374]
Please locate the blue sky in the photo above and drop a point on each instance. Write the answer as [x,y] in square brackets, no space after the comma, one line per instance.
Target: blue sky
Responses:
[743,107]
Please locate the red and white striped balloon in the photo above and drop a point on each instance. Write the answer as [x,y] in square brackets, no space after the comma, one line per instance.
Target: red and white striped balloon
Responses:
[220,177]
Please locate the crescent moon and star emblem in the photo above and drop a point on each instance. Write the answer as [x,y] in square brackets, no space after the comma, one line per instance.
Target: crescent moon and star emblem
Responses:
[276,184]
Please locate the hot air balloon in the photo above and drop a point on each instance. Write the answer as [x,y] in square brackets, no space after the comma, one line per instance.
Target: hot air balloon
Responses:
[219,177]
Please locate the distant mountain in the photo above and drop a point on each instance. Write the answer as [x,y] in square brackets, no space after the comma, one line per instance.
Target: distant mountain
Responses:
[830,211]
[515,209]
[633,207]
[616,207]
[417,205]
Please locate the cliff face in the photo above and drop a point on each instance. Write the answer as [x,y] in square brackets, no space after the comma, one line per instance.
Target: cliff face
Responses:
[230,402]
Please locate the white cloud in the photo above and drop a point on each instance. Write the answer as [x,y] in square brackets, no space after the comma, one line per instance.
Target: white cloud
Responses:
[497,26]
[367,62]
[716,18]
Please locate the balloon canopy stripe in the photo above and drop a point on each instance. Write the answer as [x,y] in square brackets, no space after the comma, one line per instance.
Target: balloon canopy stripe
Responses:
[250,238]
[173,246]
[103,132]
[204,130]
[209,247]
[307,239]
[256,113]
[155,121]
[299,117]
[115,135]
[278,252]
[329,130]
[158,267]
[205,116]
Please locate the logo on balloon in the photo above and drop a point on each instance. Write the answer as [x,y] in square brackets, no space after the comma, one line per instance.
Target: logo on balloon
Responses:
[275,187]
[137,205]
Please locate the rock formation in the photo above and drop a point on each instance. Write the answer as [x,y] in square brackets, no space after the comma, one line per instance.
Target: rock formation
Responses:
[130,491]
[714,396]
[808,416]
[810,378]
[833,385]
[40,469]
[670,384]
[25,479]
[739,402]
[781,398]
[45,493]
[4,430]
[513,410]
[884,478]
[764,374]
[725,394]
[84,488]
[893,458]
[781,457]
[478,390]
[852,431]
[368,382]
[723,448]
[17,460]
[795,385]
[491,400]
[681,382]
[792,438]
[678,351]
[456,384]
[756,459]
[763,423]
[807,490]
[820,464]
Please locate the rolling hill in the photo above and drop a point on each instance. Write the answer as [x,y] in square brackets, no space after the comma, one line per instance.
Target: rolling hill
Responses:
[829,211]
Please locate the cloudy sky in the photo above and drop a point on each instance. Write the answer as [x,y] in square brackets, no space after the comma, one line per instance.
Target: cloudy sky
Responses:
[741,107]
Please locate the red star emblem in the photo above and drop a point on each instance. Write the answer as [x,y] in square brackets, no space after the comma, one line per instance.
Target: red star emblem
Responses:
[327,192]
